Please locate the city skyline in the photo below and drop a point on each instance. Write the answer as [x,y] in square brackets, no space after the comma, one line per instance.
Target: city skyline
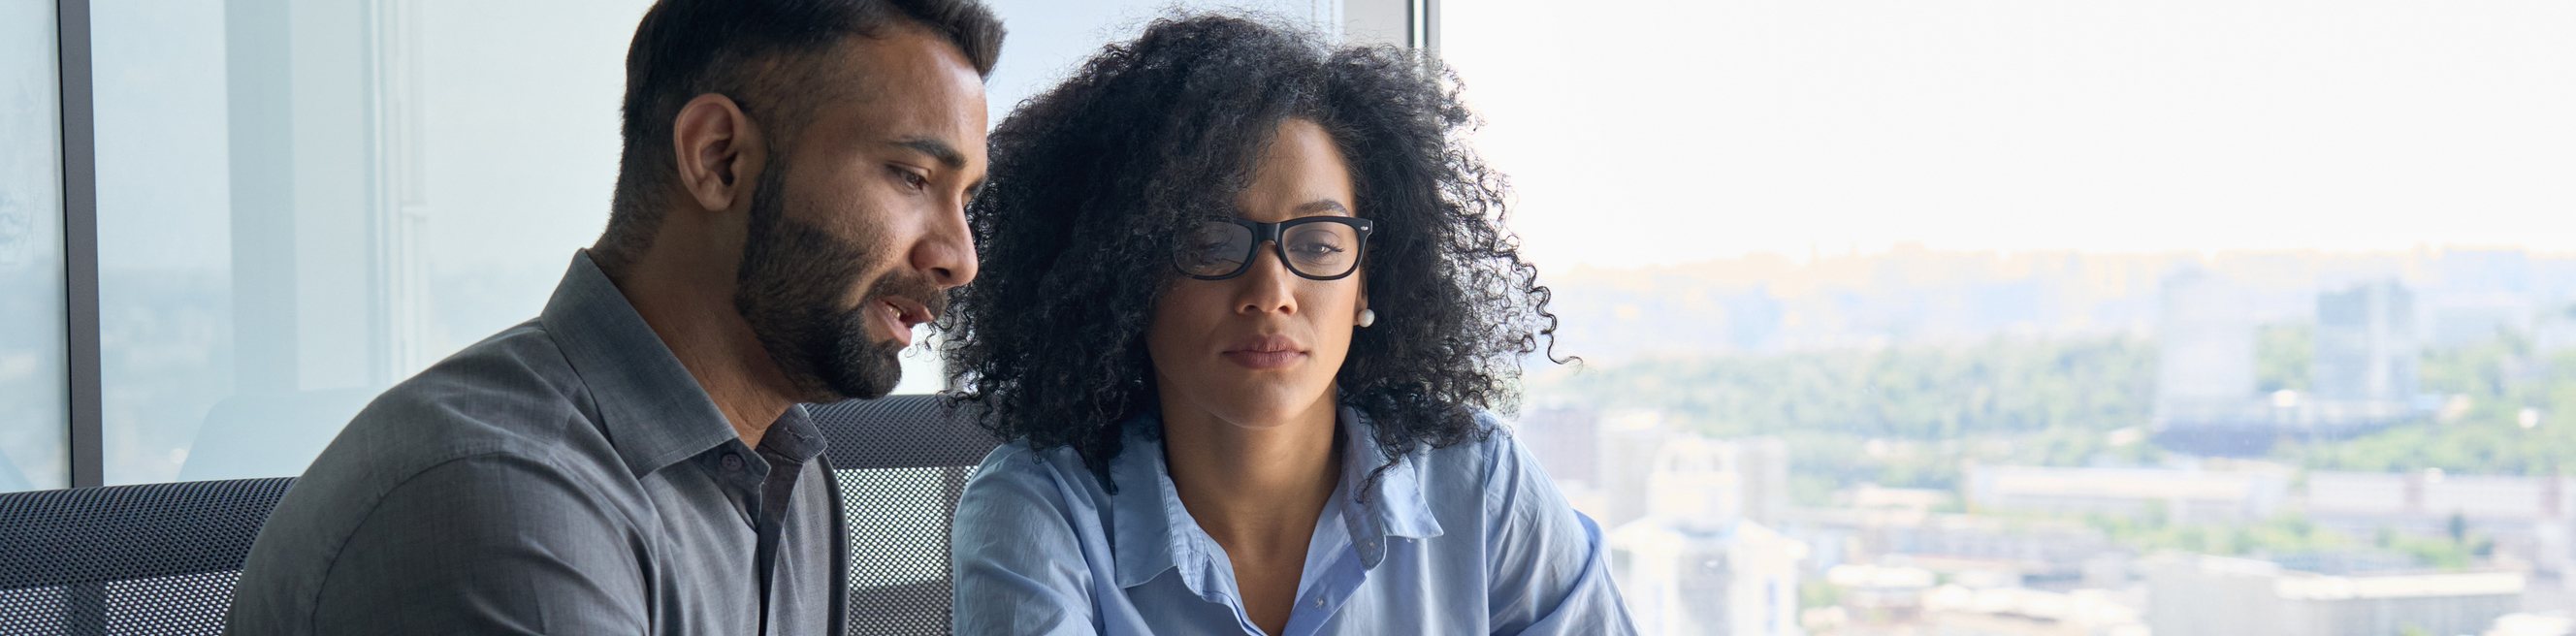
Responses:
[1768,303]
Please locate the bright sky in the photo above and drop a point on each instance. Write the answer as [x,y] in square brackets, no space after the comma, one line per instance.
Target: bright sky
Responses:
[1663,132]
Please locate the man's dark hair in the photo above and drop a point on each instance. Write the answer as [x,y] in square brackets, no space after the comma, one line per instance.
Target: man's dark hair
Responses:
[771,58]
[1094,181]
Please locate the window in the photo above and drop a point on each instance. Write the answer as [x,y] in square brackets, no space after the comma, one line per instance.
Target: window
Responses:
[2030,317]
[300,204]
[35,443]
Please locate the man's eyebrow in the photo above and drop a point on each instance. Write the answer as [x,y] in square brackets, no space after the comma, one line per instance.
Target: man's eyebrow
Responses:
[937,149]
[1323,205]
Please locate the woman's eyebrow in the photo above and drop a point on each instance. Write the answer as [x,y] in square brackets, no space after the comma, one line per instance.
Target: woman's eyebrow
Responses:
[1322,205]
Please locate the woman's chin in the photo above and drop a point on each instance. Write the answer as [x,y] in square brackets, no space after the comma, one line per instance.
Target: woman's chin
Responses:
[1264,408]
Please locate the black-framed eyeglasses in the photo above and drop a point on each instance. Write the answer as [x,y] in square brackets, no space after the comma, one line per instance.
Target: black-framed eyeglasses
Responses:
[1315,247]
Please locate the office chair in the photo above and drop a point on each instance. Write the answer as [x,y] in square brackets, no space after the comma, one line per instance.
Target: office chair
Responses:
[161,559]
[149,559]
[901,462]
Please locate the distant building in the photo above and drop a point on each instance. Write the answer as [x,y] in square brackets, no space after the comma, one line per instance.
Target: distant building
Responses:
[2205,354]
[1626,448]
[2543,624]
[2382,498]
[1734,579]
[2461,320]
[1632,443]
[2247,491]
[2220,596]
[2489,270]
[1694,564]
[2013,611]
[1564,439]
[2363,376]
[1880,596]
[2528,517]
[1877,497]
[2206,391]
[2035,549]
[2367,351]
[2344,561]
[2022,548]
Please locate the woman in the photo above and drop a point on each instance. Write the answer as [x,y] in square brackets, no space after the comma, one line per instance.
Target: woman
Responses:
[1243,301]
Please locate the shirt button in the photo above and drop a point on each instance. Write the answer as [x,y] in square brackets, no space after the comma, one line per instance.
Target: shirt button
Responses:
[1319,602]
[732,462]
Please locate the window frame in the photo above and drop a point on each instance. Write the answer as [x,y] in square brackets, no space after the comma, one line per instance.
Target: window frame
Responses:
[79,157]
[80,241]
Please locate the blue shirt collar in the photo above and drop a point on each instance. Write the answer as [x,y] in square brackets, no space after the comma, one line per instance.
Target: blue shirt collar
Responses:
[1151,532]
[653,411]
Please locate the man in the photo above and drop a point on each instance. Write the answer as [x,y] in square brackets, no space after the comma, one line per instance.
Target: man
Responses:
[789,204]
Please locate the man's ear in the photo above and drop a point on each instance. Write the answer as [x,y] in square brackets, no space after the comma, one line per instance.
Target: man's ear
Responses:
[719,151]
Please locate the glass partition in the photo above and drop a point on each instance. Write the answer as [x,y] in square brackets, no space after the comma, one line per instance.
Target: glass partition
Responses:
[302,202]
[2029,317]
[35,434]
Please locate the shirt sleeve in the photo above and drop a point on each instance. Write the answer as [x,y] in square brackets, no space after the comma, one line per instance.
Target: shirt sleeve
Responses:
[1018,565]
[1549,566]
[489,544]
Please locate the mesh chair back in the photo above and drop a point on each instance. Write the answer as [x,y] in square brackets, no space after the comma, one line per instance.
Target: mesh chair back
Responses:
[150,559]
[901,461]
[162,558]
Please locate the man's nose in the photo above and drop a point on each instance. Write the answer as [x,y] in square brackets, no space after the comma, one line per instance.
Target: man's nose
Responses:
[947,252]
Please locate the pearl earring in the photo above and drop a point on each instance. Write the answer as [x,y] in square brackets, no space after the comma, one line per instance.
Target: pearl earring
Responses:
[1368,317]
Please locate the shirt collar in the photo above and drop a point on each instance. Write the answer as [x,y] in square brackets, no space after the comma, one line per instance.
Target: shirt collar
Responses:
[653,411]
[1148,521]
[794,436]
[1396,507]
[1152,532]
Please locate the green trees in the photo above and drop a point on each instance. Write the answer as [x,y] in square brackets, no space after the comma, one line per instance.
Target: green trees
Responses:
[2481,430]
[1907,416]
[1908,393]
[1903,416]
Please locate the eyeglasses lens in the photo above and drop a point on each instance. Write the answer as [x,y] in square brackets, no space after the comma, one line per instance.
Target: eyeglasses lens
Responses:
[1215,248]
[1321,249]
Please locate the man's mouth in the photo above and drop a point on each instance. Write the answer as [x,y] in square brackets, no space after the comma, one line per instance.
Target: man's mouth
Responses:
[900,314]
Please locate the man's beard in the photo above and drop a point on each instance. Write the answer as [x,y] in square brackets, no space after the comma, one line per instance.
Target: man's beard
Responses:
[790,287]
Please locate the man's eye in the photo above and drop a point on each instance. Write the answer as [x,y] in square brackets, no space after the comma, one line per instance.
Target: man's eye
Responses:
[912,179]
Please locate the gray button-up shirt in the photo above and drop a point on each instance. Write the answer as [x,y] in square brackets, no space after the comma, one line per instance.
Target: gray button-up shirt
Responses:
[566,476]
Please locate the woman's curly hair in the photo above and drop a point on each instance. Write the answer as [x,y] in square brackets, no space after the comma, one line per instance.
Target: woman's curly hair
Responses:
[1094,181]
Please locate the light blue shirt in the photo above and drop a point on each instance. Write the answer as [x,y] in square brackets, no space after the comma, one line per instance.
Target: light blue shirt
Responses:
[1469,539]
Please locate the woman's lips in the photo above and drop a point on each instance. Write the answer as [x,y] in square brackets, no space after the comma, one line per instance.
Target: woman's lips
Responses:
[1265,360]
[1262,353]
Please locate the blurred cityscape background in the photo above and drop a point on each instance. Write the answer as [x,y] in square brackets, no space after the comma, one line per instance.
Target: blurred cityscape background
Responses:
[2008,317]
[1949,442]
